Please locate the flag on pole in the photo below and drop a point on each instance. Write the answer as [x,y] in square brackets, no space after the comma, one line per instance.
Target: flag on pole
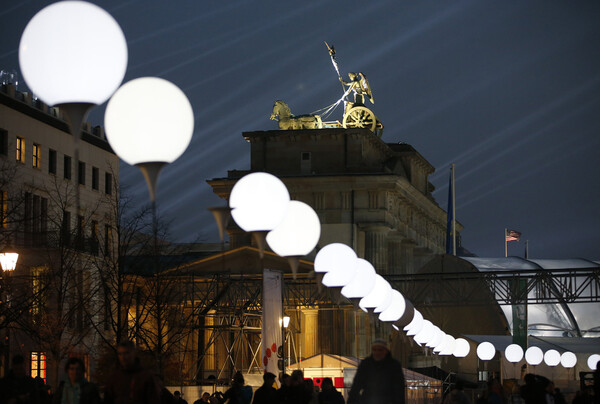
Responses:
[513,235]
[272,340]
[449,227]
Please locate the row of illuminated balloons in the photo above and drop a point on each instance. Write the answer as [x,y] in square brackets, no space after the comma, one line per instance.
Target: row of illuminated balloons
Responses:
[74,52]
[260,202]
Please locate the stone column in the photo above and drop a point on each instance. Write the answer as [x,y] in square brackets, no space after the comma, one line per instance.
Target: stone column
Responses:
[395,253]
[407,263]
[310,331]
[376,247]
[209,365]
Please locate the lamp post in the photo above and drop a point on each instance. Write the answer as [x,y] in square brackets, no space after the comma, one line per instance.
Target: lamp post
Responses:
[285,322]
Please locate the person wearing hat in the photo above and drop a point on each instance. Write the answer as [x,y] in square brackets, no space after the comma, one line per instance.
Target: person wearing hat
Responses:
[266,394]
[379,378]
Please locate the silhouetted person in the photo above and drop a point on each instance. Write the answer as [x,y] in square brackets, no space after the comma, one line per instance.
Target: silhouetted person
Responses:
[266,394]
[18,386]
[533,391]
[328,394]
[379,378]
[76,389]
[457,395]
[204,398]
[238,393]
[129,383]
[495,393]
[294,391]
[178,399]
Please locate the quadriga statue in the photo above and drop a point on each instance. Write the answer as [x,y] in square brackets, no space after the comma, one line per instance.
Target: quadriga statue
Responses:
[287,120]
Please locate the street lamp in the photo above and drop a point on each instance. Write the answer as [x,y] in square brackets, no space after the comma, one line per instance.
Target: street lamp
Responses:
[8,260]
[149,123]
[285,322]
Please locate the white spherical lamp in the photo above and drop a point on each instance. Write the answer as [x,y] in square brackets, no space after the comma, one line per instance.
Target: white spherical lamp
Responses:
[438,336]
[534,355]
[440,344]
[259,202]
[378,297]
[73,52]
[298,233]
[415,325]
[426,333]
[335,257]
[592,361]
[486,351]
[363,281]
[396,308]
[513,353]
[461,348]
[449,345]
[552,357]
[149,122]
[568,360]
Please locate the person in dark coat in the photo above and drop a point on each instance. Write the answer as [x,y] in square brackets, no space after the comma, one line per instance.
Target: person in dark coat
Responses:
[379,378]
[18,386]
[328,394]
[76,389]
[266,394]
[129,383]
[294,392]
[238,393]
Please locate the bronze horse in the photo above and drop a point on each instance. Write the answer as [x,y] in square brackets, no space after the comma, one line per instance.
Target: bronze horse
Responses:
[287,121]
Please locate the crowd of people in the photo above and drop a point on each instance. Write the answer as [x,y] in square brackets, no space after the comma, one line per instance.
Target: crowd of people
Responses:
[379,379]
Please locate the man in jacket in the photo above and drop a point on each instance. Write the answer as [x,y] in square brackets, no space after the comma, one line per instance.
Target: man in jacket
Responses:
[130,383]
[76,389]
[379,378]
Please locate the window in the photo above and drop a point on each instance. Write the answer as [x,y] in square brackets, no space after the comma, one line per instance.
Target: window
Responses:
[20,149]
[107,240]
[67,168]
[3,142]
[52,161]
[3,209]
[44,222]
[81,173]
[66,228]
[94,238]
[95,178]
[38,300]
[79,242]
[36,155]
[38,365]
[108,184]
[305,165]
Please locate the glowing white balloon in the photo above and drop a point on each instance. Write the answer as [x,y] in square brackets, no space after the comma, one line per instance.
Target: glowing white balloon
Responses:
[461,348]
[259,202]
[73,52]
[568,360]
[513,353]
[592,361]
[363,281]
[298,233]
[426,333]
[396,308]
[416,324]
[486,351]
[149,120]
[380,294]
[335,257]
[449,345]
[439,347]
[534,355]
[552,357]
[437,337]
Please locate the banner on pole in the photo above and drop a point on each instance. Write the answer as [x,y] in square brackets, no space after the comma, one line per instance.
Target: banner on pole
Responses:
[272,317]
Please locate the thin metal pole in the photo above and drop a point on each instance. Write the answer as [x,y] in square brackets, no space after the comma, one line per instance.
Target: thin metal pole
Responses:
[453,214]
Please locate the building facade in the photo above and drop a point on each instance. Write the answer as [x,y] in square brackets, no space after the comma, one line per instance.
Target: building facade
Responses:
[59,215]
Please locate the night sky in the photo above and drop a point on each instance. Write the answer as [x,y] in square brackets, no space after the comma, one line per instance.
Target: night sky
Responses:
[509,91]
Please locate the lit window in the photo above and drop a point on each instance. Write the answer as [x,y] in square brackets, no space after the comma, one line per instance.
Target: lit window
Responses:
[3,209]
[20,149]
[38,365]
[37,153]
